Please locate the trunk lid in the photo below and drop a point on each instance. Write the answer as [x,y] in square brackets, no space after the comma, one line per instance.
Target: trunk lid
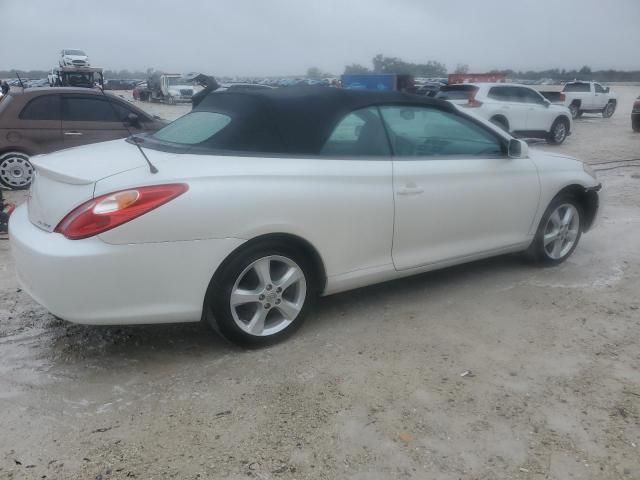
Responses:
[66,179]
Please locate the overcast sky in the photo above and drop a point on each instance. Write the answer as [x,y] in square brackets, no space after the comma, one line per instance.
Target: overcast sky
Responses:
[285,37]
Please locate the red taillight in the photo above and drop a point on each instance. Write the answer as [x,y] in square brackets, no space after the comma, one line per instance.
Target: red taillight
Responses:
[563,97]
[113,209]
[636,105]
[473,103]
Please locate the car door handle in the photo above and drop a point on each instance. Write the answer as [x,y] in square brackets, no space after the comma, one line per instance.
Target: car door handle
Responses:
[410,190]
[73,133]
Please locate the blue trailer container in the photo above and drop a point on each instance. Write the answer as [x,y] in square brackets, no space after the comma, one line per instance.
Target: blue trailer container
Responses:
[380,82]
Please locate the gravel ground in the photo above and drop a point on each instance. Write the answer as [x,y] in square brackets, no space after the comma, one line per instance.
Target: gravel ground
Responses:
[371,387]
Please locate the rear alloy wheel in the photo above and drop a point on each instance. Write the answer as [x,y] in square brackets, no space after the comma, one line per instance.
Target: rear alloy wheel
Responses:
[575,111]
[609,110]
[16,172]
[559,132]
[559,232]
[260,297]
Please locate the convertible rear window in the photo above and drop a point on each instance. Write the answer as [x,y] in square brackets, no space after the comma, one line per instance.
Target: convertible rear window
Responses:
[193,128]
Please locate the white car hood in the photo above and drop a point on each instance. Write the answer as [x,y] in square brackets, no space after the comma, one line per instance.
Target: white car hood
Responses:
[554,161]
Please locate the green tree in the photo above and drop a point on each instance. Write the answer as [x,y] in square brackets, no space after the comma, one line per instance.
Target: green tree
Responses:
[356,69]
[382,64]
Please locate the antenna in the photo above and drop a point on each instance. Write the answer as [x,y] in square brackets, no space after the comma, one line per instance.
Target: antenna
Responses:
[136,142]
[18,75]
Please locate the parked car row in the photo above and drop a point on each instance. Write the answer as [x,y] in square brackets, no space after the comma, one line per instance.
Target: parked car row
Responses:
[114,84]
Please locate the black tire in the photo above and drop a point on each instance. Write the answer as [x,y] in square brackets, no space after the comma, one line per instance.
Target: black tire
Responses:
[536,251]
[217,305]
[575,110]
[23,175]
[579,115]
[501,122]
[609,110]
[559,131]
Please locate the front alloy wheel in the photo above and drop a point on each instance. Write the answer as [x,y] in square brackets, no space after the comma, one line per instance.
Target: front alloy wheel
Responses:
[562,231]
[16,171]
[559,132]
[609,110]
[558,233]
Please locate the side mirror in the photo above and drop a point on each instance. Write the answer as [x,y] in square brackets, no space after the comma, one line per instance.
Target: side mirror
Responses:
[547,103]
[133,120]
[518,149]
[606,89]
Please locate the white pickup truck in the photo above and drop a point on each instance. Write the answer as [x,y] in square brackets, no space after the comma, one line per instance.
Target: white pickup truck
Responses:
[589,97]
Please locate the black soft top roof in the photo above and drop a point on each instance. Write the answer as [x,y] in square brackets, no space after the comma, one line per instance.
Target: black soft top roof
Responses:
[299,120]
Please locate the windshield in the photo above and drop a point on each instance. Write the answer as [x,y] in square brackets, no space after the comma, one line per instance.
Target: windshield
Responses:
[193,128]
[176,81]
[74,52]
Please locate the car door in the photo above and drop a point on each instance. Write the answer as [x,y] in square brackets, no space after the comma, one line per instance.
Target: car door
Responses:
[352,181]
[600,97]
[90,119]
[507,103]
[539,116]
[37,127]
[456,192]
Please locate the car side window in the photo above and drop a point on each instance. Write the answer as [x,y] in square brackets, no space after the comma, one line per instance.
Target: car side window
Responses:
[429,132]
[46,107]
[123,112]
[531,96]
[599,88]
[359,134]
[499,93]
[519,95]
[87,109]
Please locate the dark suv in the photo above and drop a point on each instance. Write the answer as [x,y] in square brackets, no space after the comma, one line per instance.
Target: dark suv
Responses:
[47,119]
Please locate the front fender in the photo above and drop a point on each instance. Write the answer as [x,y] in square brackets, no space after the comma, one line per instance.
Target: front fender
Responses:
[556,173]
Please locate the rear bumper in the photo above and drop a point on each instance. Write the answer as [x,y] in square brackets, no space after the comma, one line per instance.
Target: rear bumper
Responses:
[92,282]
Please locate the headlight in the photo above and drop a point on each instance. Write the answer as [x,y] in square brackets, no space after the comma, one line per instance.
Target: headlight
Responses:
[590,171]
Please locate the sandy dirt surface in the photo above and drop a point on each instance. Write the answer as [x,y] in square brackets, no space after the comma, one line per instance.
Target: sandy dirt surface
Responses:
[371,386]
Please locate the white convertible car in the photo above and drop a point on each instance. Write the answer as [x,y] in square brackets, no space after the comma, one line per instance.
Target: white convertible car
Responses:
[258,201]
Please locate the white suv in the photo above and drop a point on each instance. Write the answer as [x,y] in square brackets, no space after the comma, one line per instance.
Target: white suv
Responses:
[74,58]
[518,109]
